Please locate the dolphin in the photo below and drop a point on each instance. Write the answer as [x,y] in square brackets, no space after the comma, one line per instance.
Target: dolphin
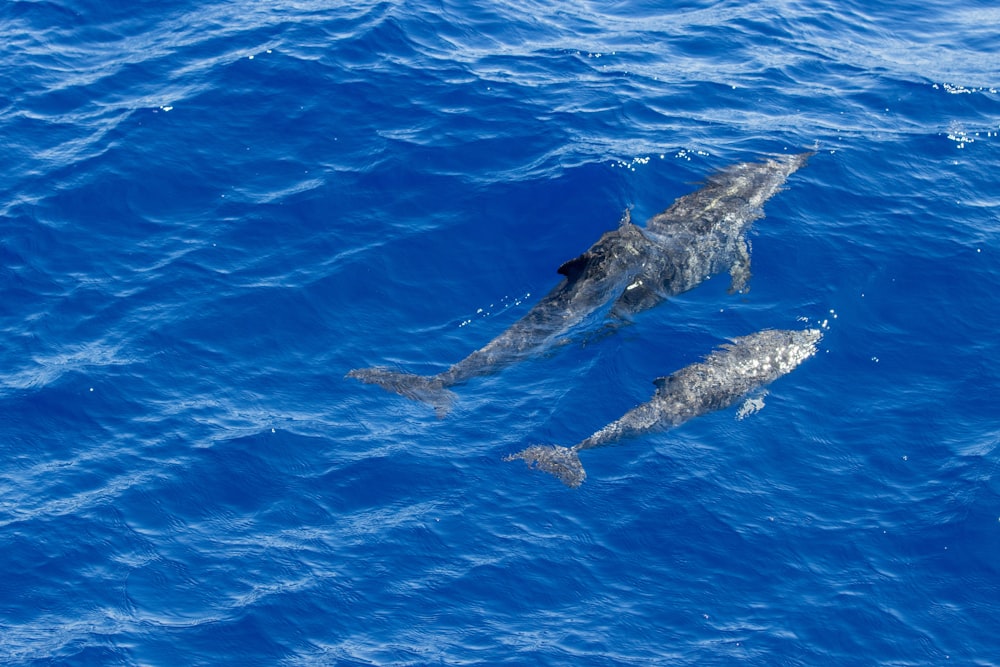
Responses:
[725,376]
[629,268]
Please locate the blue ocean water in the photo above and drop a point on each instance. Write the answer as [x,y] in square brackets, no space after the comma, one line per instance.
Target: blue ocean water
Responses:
[212,211]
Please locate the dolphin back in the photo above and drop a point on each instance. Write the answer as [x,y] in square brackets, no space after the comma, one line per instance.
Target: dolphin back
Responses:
[427,389]
[563,462]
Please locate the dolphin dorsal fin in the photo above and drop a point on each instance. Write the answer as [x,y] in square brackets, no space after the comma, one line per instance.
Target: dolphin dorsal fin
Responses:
[574,268]
[626,218]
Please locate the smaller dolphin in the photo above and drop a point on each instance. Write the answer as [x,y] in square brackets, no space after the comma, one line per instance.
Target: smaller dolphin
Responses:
[725,376]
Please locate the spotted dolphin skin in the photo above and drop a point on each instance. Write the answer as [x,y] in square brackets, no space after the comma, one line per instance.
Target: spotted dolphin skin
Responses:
[630,269]
[725,376]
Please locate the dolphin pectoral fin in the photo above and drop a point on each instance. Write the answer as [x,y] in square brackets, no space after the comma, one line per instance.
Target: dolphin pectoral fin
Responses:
[430,390]
[637,297]
[563,462]
[740,270]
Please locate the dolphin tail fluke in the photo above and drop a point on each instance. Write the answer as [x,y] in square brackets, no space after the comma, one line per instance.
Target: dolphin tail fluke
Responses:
[430,390]
[563,462]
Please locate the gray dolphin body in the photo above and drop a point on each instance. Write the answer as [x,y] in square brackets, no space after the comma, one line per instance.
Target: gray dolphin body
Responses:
[630,268]
[725,376]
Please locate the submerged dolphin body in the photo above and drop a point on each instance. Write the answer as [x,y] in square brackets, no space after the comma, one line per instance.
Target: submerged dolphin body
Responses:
[725,375]
[632,269]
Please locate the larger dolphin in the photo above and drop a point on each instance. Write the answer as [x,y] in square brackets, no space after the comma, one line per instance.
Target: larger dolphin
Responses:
[632,269]
[726,375]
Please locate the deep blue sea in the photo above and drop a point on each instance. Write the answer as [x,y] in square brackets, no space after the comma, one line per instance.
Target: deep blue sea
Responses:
[211,211]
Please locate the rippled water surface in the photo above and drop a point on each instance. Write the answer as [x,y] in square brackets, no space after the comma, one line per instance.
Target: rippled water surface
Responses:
[212,211]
